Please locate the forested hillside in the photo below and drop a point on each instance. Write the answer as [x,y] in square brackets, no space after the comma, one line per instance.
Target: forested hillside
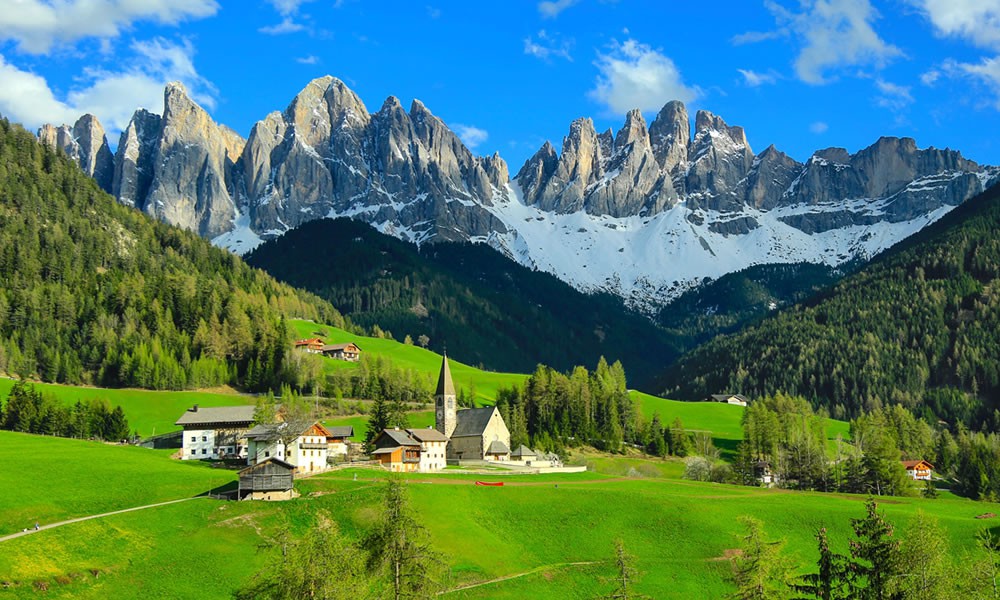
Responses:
[919,326]
[483,307]
[95,292]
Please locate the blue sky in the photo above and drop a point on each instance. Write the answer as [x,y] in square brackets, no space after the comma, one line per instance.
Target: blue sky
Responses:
[801,74]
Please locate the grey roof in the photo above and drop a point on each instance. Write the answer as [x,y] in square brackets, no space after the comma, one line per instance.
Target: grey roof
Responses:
[445,387]
[472,421]
[385,450]
[341,431]
[497,447]
[397,437]
[523,451]
[273,431]
[427,434]
[273,459]
[236,415]
[725,397]
[329,347]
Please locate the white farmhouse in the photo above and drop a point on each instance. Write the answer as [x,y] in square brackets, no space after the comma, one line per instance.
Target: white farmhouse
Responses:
[302,444]
[215,432]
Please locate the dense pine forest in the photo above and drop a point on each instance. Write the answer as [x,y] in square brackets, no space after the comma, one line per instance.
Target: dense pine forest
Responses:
[97,293]
[918,327]
[485,308]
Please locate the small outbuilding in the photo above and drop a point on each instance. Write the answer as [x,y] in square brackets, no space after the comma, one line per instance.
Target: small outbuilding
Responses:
[735,399]
[270,479]
[523,453]
[918,470]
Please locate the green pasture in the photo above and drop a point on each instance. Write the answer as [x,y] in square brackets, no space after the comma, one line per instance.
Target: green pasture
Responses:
[534,526]
[46,480]
[149,412]
[485,383]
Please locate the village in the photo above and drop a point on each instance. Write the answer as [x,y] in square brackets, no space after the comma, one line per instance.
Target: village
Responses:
[275,453]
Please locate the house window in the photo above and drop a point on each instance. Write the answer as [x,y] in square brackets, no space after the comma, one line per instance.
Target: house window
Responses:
[194,438]
[267,453]
[193,451]
[204,451]
[204,438]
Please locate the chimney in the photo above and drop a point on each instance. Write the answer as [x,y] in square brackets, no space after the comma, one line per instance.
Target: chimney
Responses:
[194,408]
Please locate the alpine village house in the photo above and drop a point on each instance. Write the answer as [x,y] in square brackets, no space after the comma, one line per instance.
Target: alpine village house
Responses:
[472,434]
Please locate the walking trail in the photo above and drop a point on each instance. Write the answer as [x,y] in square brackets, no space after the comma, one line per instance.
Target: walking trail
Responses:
[87,518]
[516,575]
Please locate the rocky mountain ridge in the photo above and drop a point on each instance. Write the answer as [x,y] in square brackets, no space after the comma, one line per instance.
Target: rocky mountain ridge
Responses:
[645,212]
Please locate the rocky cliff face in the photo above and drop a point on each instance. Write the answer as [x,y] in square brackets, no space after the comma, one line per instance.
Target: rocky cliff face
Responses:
[86,143]
[643,212]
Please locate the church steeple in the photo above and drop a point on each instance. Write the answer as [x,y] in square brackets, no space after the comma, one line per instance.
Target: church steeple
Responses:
[445,400]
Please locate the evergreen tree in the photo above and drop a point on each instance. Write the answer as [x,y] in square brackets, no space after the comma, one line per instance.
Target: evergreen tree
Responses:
[625,576]
[399,547]
[760,572]
[834,581]
[379,418]
[319,565]
[924,563]
[876,555]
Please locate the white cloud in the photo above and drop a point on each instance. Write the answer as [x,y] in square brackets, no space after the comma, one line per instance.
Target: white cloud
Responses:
[818,127]
[752,37]
[985,72]
[287,25]
[36,25]
[113,96]
[548,46]
[288,9]
[892,96]
[975,20]
[433,12]
[755,79]
[634,75]
[308,60]
[551,9]
[929,78]
[834,34]
[470,135]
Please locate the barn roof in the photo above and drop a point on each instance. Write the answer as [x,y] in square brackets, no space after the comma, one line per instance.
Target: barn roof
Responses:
[273,431]
[235,415]
[398,436]
[910,464]
[341,431]
[260,464]
[472,421]
[330,347]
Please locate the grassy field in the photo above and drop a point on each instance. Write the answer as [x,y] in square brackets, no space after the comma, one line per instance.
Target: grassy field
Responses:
[485,383]
[52,479]
[535,525]
[149,412]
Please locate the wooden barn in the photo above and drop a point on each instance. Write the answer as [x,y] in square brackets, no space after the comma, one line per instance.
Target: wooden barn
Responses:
[271,479]
[312,345]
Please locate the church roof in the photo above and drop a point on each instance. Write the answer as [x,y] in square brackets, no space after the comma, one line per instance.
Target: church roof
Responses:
[445,387]
[472,421]
[497,447]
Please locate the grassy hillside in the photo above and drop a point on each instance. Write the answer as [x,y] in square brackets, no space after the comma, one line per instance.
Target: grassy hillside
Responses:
[52,479]
[920,326]
[679,531]
[95,292]
[484,307]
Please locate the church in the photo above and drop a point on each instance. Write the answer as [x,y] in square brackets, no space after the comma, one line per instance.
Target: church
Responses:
[470,434]
[473,433]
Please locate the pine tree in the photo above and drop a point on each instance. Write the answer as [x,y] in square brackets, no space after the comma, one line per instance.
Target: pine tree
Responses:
[760,572]
[834,581]
[924,563]
[876,555]
[399,547]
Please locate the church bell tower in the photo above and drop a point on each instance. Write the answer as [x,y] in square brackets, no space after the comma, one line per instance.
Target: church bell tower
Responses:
[444,401]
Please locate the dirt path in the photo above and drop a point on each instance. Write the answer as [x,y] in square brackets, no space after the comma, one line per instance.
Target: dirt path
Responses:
[516,575]
[87,518]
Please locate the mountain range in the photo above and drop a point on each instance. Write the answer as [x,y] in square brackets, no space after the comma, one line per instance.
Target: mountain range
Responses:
[645,213]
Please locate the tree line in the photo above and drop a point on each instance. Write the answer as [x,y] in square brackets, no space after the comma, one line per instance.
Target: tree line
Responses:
[98,293]
[30,411]
[878,566]
[919,327]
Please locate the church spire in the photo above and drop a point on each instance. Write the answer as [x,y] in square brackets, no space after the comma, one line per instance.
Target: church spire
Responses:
[444,400]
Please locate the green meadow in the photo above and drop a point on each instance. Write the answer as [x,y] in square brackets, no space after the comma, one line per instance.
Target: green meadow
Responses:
[47,479]
[532,529]
[149,412]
